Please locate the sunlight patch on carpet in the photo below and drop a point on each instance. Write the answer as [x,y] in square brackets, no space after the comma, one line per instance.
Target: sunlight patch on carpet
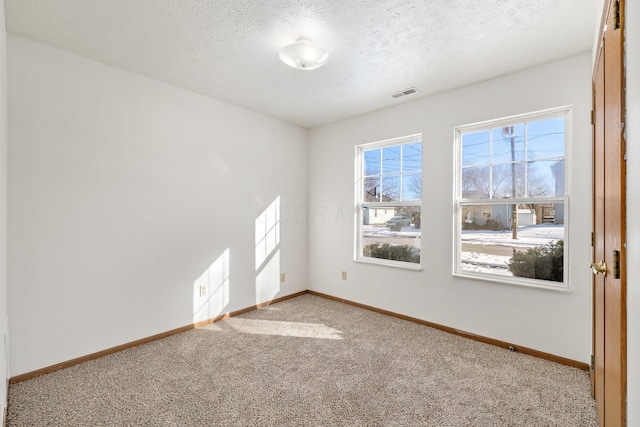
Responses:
[285,329]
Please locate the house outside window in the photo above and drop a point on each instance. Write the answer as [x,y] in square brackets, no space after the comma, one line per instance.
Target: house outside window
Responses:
[389,202]
[512,200]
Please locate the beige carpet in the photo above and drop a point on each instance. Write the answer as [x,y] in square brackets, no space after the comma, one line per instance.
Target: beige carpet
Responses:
[308,361]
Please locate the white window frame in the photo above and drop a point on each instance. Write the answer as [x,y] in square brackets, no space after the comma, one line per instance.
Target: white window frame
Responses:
[567,113]
[360,203]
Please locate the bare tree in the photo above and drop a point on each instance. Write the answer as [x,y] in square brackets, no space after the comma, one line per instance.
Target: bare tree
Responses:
[476,183]
[415,184]
[377,191]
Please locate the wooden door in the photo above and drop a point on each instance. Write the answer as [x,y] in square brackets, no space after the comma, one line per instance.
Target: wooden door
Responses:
[609,296]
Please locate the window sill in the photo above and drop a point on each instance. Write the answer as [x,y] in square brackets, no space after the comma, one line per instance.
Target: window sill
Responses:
[516,281]
[388,263]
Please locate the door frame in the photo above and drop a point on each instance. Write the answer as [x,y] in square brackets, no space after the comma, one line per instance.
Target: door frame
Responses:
[608,368]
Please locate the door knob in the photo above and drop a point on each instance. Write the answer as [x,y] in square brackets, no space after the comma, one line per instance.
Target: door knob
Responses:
[599,267]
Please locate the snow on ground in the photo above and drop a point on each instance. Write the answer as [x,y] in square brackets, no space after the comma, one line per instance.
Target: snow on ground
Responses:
[485,263]
[384,232]
[529,236]
[381,234]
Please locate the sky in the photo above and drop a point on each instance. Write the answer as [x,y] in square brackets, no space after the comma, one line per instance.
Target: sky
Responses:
[395,170]
[537,146]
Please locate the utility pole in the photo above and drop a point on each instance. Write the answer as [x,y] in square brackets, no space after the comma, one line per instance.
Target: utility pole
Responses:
[509,132]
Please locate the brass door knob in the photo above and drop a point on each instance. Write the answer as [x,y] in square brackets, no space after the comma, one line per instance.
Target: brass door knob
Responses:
[599,267]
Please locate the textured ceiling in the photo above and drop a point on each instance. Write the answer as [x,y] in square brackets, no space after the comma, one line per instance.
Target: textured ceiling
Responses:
[228,49]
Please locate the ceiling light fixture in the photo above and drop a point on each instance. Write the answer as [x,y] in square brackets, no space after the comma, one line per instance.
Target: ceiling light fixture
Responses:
[304,55]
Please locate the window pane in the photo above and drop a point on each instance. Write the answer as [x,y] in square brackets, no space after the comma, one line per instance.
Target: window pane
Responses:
[487,242]
[475,183]
[372,162]
[412,187]
[391,233]
[391,174]
[475,148]
[545,178]
[390,188]
[412,157]
[504,177]
[391,160]
[372,189]
[507,144]
[545,138]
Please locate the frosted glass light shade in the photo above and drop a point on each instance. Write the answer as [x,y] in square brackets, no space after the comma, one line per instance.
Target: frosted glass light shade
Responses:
[304,55]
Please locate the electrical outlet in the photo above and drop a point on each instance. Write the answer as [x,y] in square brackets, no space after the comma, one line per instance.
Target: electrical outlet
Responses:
[282,277]
[203,290]
[344,275]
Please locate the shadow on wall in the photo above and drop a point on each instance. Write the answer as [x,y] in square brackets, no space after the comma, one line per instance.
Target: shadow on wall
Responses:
[267,249]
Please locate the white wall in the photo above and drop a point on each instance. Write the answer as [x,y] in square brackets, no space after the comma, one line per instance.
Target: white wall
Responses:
[632,50]
[4,371]
[125,195]
[544,320]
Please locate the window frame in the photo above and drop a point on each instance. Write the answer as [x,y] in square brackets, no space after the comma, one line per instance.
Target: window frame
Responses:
[459,201]
[360,202]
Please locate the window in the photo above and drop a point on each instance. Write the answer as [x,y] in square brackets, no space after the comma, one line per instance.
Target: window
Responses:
[511,199]
[389,194]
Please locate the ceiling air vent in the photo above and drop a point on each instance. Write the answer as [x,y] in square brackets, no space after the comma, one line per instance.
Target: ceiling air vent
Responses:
[405,92]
